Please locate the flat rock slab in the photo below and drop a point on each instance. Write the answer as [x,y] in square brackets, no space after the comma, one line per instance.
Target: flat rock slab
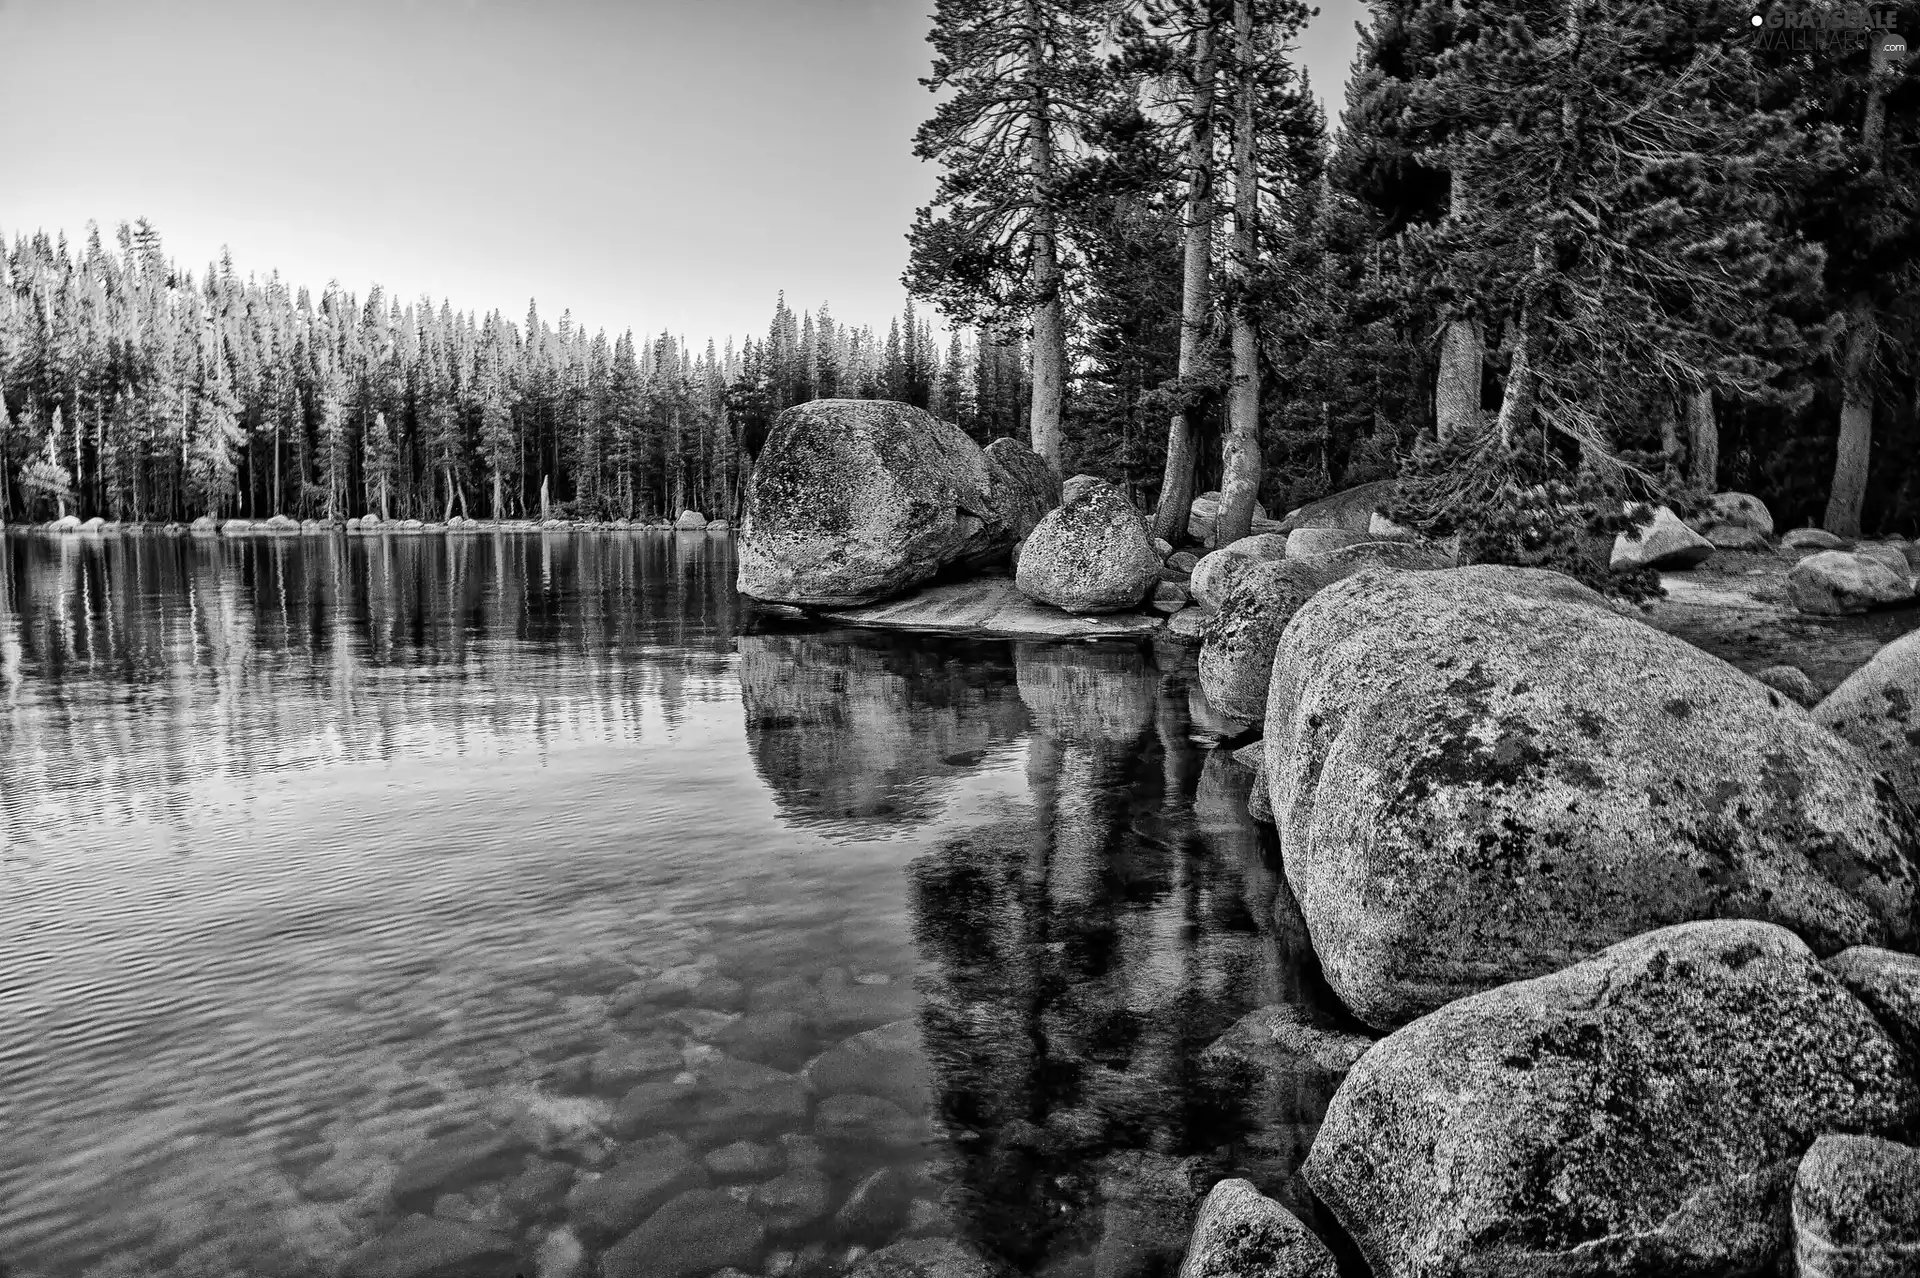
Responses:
[990,606]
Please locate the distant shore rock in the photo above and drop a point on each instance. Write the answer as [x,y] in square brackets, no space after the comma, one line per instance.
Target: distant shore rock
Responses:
[1091,555]
[690,521]
[1665,543]
[854,501]
[1483,774]
[1834,582]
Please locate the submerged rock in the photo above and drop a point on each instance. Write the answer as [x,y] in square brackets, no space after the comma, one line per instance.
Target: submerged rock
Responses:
[1241,1233]
[1834,582]
[458,1159]
[927,1258]
[427,1247]
[852,501]
[1476,781]
[646,1177]
[889,1062]
[1093,554]
[1876,708]
[700,1231]
[1856,1209]
[1637,1113]
[1148,1202]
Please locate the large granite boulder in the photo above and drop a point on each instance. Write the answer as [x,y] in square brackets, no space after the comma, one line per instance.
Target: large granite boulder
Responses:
[1877,708]
[1834,582]
[1092,554]
[1021,487]
[1639,1113]
[1735,510]
[1217,570]
[1239,639]
[1241,1233]
[1352,508]
[1304,543]
[1664,543]
[1485,774]
[690,521]
[1892,557]
[1856,1209]
[856,500]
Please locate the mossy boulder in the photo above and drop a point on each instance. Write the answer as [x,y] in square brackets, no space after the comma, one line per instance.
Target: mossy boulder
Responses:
[1638,1113]
[1485,774]
[853,501]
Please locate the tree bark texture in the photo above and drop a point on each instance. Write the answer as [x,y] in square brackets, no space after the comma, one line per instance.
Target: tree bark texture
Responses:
[1240,462]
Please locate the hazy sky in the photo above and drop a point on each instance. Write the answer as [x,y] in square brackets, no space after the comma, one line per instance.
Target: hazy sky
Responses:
[648,163]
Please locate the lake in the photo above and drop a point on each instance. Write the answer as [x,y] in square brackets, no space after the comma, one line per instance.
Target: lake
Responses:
[361,896]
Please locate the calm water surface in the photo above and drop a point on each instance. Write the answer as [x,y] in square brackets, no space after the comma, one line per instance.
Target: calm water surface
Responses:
[503,880]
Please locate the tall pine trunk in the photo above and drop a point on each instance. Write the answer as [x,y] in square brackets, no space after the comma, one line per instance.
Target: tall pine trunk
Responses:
[1463,348]
[1176,484]
[1849,491]
[1240,481]
[1049,354]
[1703,441]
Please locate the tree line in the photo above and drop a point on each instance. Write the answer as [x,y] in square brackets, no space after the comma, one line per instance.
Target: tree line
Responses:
[131,390]
[1555,253]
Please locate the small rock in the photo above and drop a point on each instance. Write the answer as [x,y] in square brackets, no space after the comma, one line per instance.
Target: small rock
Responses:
[560,1255]
[655,1105]
[794,1199]
[700,1231]
[1738,510]
[617,1067]
[877,1208]
[1170,592]
[423,1247]
[721,993]
[1162,547]
[1241,1233]
[801,1151]
[1665,543]
[1183,561]
[537,1192]
[743,1160]
[745,1101]
[702,1023]
[768,1038]
[1856,1209]
[1284,1037]
[1834,582]
[1811,539]
[1792,683]
[1188,624]
[455,1161]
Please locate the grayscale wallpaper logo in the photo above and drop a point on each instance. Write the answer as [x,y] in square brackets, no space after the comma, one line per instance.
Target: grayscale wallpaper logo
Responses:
[1838,29]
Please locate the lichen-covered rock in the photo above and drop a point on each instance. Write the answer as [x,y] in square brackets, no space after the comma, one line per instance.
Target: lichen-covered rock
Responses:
[1093,554]
[1810,539]
[1791,682]
[1878,709]
[856,500]
[1856,1209]
[691,520]
[927,1258]
[1889,984]
[1217,570]
[1835,582]
[700,1231]
[1236,654]
[1188,625]
[1485,774]
[1737,510]
[1638,1113]
[1021,487]
[424,1247]
[1664,543]
[1241,1233]
[1304,543]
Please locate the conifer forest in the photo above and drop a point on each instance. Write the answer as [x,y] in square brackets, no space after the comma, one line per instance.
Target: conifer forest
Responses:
[1547,256]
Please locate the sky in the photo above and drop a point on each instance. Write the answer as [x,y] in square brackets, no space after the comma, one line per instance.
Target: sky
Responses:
[648,164]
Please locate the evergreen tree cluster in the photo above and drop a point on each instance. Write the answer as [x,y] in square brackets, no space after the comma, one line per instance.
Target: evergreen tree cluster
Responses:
[132,391]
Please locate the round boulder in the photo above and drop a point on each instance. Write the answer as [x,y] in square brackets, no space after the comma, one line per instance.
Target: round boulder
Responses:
[1876,709]
[1217,570]
[1834,582]
[1737,510]
[852,501]
[1092,554]
[692,520]
[1636,1113]
[1791,682]
[1484,774]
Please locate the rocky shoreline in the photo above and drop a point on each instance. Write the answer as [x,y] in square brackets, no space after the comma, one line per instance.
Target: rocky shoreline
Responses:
[1634,928]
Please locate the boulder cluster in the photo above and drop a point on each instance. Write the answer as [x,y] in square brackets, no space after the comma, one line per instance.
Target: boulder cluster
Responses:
[1635,929]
